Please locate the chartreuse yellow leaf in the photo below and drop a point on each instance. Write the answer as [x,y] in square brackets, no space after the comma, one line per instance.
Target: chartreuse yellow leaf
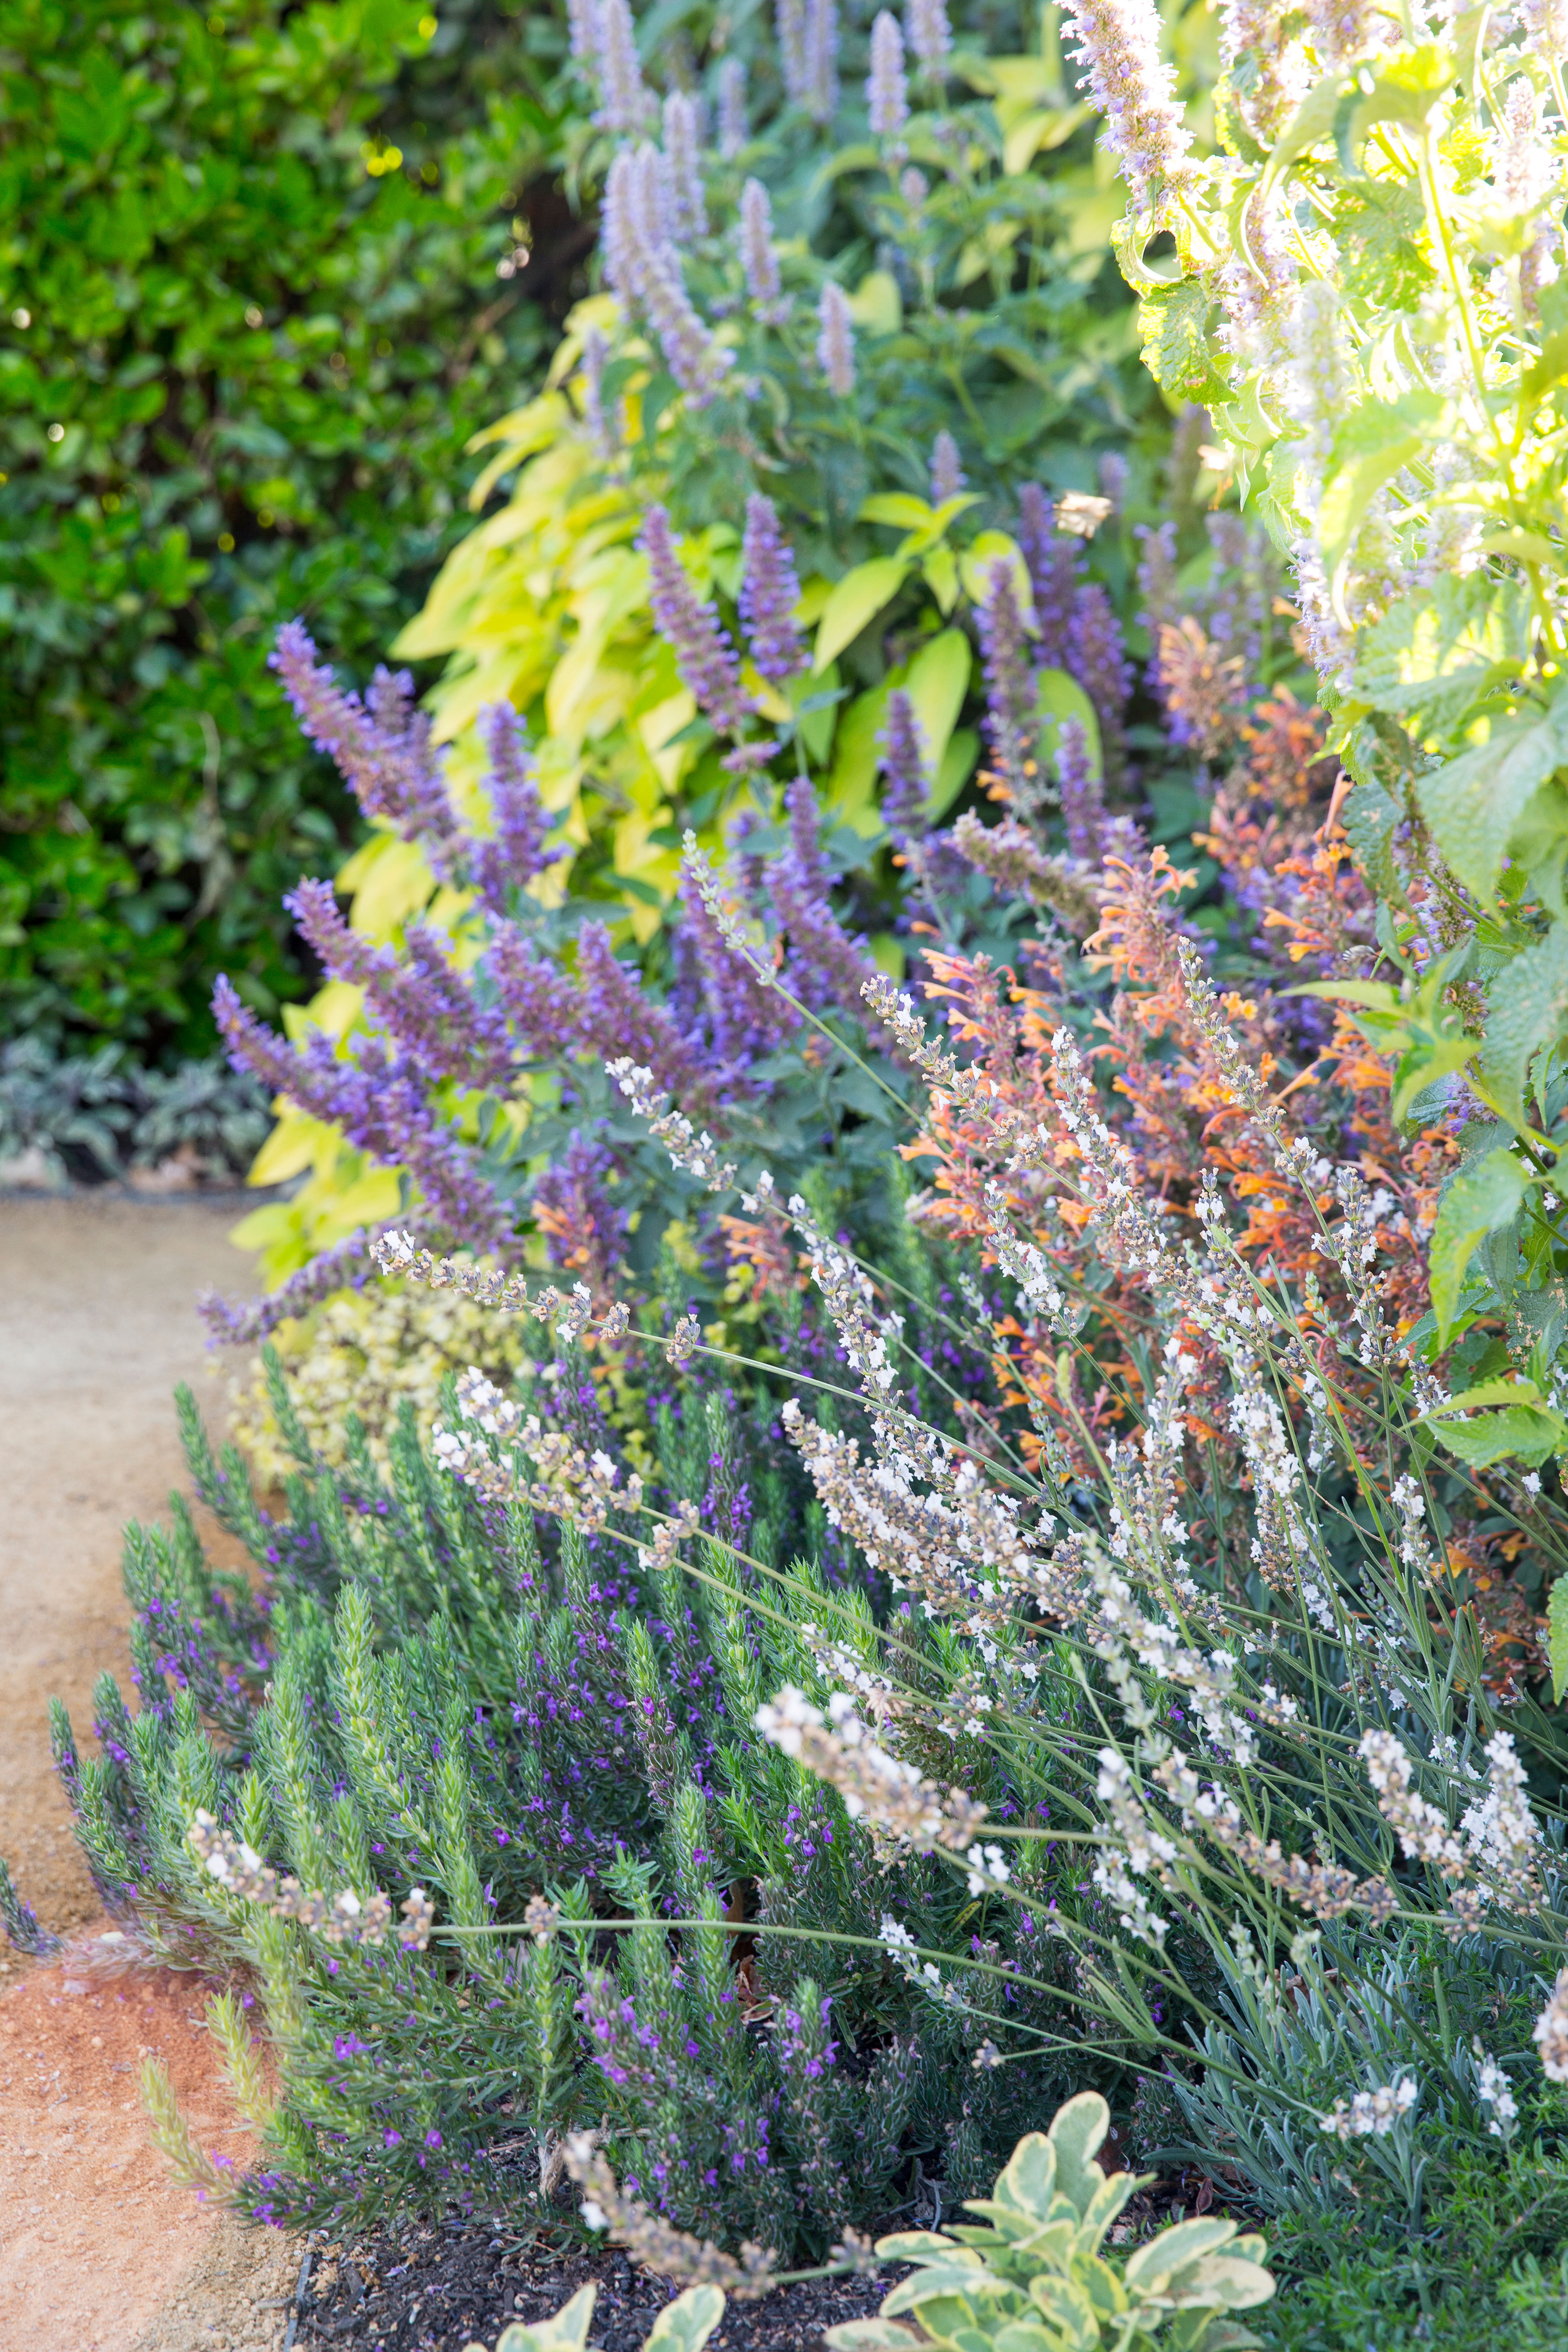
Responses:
[876,305]
[856,599]
[295,1144]
[387,889]
[957,767]
[333,1010]
[937,682]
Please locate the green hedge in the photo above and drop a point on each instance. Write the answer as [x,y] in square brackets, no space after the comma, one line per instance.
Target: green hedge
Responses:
[249,316]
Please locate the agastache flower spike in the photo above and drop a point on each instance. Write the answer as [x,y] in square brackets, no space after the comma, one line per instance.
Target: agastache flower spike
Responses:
[1053,563]
[821,60]
[583,23]
[704,654]
[770,592]
[931,37]
[595,355]
[1081,793]
[698,363]
[682,149]
[836,342]
[946,469]
[1009,688]
[382,745]
[906,786]
[791,23]
[1097,659]
[733,128]
[759,259]
[1130,83]
[887,100]
[620,240]
[516,852]
[624,101]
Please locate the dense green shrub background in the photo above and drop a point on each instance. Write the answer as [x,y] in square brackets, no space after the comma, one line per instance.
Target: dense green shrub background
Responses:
[241,351]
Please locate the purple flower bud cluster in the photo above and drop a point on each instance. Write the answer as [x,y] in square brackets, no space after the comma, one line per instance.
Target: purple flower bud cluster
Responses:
[821,98]
[931,37]
[1010,700]
[1130,83]
[906,786]
[511,857]
[618,1017]
[1097,656]
[835,340]
[946,469]
[733,128]
[887,97]
[1053,563]
[770,591]
[417,997]
[382,745]
[683,159]
[759,256]
[624,104]
[704,653]
[1081,792]
[643,270]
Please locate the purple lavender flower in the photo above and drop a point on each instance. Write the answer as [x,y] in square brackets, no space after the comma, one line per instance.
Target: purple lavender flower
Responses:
[382,746]
[347,1266]
[683,152]
[381,1110]
[906,787]
[770,592]
[1130,83]
[620,1017]
[511,857]
[542,1008]
[836,342]
[1009,685]
[698,363]
[620,239]
[733,128]
[1053,562]
[803,862]
[414,996]
[583,22]
[1082,794]
[703,651]
[886,99]
[946,469]
[759,259]
[624,102]
[790,23]
[821,60]
[931,37]
[1097,657]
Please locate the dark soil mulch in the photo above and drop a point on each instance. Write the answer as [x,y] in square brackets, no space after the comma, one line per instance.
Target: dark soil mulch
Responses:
[440,2289]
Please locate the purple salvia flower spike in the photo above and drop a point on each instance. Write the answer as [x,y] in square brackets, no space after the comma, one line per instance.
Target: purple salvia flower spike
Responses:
[1054,562]
[1097,657]
[542,1008]
[803,862]
[886,99]
[346,1265]
[382,746]
[623,102]
[694,359]
[733,128]
[416,996]
[770,592]
[620,242]
[682,154]
[835,340]
[1132,86]
[620,1017]
[906,784]
[1082,794]
[703,651]
[1009,686]
[946,469]
[515,853]
[930,35]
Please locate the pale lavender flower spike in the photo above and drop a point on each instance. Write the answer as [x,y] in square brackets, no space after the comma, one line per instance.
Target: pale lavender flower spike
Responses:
[930,35]
[624,100]
[821,59]
[698,363]
[886,99]
[835,343]
[770,592]
[758,257]
[790,23]
[1130,84]
[682,154]
[618,240]
[583,19]
[704,655]
[733,128]
[595,355]
[946,469]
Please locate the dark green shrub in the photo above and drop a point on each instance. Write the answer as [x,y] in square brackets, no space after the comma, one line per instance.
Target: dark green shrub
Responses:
[241,351]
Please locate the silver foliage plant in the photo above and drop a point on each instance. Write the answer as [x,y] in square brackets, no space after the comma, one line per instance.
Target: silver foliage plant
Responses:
[1295,1799]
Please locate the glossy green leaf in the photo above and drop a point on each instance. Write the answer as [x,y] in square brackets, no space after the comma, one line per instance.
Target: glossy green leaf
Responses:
[1476,1204]
[856,599]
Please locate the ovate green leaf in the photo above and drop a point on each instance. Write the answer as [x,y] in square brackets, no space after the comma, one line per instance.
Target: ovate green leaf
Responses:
[1476,1204]
[685,2324]
[1375,441]
[1521,1432]
[857,598]
[1431,656]
[1528,1009]
[1473,804]
[1173,325]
